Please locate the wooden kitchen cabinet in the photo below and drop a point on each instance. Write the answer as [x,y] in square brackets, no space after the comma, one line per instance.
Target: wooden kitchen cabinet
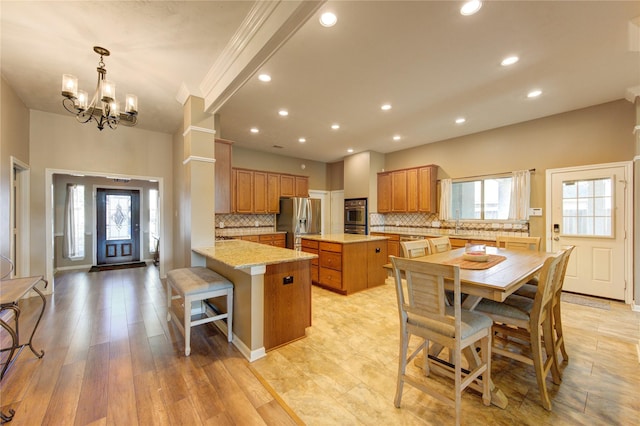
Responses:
[273,193]
[393,244]
[223,183]
[259,192]
[426,177]
[408,190]
[399,191]
[349,267]
[277,240]
[243,191]
[287,186]
[302,186]
[312,247]
[384,192]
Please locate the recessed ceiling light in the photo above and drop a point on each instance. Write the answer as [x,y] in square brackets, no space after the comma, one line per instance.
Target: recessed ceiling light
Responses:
[470,7]
[350,150]
[509,60]
[335,126]
[254,130]
[534,93]
[396,137]
[385,107]
[302,140]
[328,19]
[283,112]
[264,77]
[460,120]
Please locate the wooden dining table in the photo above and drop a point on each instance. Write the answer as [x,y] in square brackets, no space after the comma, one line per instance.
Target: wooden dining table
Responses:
[496,282]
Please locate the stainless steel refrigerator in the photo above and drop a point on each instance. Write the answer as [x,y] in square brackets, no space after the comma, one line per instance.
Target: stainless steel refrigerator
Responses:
[298,217]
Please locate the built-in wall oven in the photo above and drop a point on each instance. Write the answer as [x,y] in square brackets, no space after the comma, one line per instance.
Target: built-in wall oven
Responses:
[355,216]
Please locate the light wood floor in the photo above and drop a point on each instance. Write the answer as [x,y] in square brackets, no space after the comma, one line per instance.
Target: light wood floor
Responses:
[111,358]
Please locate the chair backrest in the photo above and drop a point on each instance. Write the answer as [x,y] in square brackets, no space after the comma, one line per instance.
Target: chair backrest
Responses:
[518,243]
[440,244]
[563,270]
[415,248]
[543,302]
[425,295]
[6,267]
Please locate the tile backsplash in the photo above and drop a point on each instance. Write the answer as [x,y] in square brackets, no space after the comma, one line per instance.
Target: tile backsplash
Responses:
[244,224]
[421,222]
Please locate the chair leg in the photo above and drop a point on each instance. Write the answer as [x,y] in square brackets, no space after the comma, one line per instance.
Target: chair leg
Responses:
[458,383]
[557,324]
[549,347]
[486,377]
[538,363]
[402,365]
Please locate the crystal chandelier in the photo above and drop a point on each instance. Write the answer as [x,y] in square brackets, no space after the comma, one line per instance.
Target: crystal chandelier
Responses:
[103,107]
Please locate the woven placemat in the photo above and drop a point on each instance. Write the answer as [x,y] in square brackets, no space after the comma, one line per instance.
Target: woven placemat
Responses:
[493,260]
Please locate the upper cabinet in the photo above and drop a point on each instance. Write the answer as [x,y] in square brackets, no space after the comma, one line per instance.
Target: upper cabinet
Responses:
[223,183]
[407,190]
[294,186]
[256,191]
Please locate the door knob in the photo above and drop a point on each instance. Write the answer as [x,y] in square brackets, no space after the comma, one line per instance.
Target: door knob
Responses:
[556,238]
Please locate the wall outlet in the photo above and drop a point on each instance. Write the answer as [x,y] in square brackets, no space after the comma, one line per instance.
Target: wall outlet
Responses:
[535,211]
[221,225]
[257,223]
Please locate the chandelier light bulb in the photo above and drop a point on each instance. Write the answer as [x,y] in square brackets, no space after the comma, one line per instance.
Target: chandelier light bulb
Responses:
[69,85]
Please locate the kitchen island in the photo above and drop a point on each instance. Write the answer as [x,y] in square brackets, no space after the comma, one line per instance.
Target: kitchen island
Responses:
[272,292]
[347,262]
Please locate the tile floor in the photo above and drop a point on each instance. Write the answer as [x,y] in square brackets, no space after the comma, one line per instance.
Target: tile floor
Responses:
[344,371]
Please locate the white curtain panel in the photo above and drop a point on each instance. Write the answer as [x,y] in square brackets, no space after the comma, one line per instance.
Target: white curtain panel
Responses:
[445,199]
[69,249]
[520,195]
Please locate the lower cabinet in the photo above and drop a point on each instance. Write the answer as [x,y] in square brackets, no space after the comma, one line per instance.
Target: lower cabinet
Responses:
[277,240]
[461,242]
[393,244]
[350,267]
[287,303]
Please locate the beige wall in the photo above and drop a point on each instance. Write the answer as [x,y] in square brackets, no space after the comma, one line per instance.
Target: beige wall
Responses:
[599,134]
[248,159]
[14,141]
[59,142]
[335,176]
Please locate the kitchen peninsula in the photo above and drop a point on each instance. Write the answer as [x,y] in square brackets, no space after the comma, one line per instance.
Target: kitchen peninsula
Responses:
[347,262]
[272,292]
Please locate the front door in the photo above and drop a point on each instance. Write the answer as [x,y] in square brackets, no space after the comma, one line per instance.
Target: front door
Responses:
[588,211]
[118,226]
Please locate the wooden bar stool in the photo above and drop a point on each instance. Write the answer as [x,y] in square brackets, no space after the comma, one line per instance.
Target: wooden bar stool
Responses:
[198,284]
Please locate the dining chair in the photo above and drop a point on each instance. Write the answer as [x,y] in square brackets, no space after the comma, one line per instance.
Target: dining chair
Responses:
[415,248]
[528,320]
[522,243]
[440,244]
[529,290]
[424,313]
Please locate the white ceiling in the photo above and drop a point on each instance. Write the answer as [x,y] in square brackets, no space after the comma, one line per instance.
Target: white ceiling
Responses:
[432,64]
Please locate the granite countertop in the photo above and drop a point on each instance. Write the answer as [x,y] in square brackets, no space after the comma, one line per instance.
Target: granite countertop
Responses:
[344,238]
[240,254]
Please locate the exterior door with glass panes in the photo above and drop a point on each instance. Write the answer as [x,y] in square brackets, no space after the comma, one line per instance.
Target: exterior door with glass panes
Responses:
[587,211]
[118,226]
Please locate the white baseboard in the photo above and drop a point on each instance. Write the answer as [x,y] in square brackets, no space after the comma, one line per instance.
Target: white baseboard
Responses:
[635,307]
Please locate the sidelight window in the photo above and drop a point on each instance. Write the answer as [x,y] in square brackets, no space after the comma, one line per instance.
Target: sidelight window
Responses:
[154,224]
[73,237]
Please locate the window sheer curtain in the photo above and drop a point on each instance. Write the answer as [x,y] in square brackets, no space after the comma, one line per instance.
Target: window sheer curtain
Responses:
[445,199]
[520,195]
[69,247]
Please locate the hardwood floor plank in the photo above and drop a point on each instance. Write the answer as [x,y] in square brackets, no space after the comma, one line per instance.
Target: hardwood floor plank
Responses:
[149,402]
[64,400]
[92,404]
[141,356]
[121,406]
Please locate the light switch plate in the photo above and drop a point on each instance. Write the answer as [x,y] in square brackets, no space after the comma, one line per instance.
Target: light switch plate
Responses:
[535,211]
